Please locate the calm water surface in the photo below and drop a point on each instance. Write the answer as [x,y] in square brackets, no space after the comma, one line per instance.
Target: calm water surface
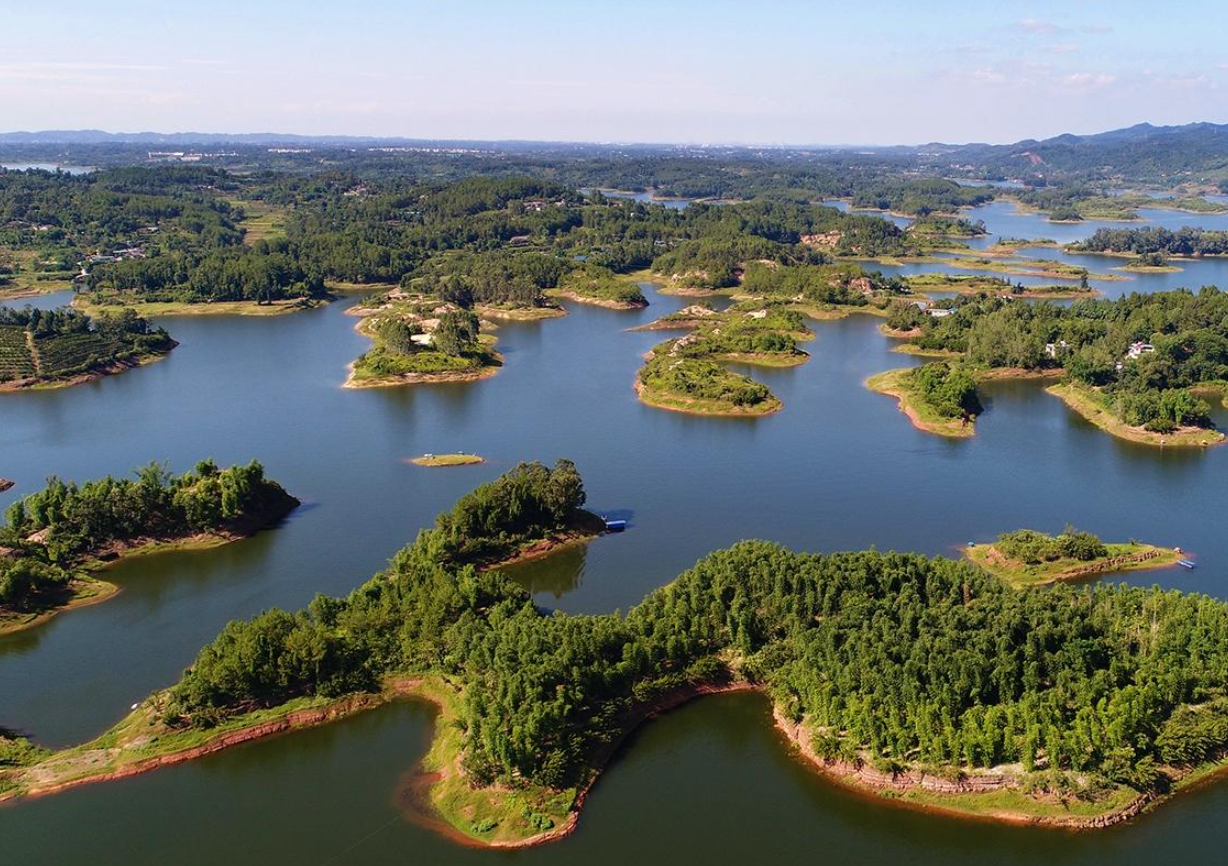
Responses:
[47,166]
[839,468]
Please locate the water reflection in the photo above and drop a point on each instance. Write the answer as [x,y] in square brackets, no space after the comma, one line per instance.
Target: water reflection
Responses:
[554,576]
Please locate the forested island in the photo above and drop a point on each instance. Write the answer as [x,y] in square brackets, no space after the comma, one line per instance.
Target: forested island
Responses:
[1138,367]
[52,540]
[929,681]
[421,341]
[1026,557]
[1150,249]
[682,374]
[1075,203]
[58,348]
[973,284]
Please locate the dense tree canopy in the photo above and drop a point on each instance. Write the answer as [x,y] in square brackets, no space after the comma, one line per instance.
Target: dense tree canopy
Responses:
[890,658]
[1144,352]
[53,531]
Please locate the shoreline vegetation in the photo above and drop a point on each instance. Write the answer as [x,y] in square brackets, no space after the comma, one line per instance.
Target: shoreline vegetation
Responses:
[438,796]
[1089,405]
[600,287]
[1137,367]
[973,284]
[151,309]
[49,349]
[1059,770]
[56,538]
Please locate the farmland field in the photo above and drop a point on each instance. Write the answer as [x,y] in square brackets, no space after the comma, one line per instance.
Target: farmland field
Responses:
[15,360]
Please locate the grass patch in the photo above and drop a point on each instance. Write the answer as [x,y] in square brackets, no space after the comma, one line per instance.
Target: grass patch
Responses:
[1012,803]
[1131,556]
[261,221]
[154,309]
[28,276]
[447,460]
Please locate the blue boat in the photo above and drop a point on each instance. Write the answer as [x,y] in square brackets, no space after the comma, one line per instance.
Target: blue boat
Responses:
[615,525]
[1185,563]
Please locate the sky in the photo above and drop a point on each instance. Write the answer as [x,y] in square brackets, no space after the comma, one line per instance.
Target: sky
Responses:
[763,72]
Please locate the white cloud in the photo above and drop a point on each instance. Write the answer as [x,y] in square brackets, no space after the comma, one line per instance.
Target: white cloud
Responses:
[1089,79]
[991,76]
[1037,25]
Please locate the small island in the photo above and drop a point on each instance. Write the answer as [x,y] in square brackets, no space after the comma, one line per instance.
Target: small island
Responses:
[101,304]
[419,341]
[687,319]
[59,348]
[684,375]
[1048,269]
[54,538]
[1029,558]
[700,387]
[944,226]
[974,284]
[447,460]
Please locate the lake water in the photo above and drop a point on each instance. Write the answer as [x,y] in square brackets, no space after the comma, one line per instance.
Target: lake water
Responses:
[839,468]
[47,166]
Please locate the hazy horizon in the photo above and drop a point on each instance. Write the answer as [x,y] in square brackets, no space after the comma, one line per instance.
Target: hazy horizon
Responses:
[782,73]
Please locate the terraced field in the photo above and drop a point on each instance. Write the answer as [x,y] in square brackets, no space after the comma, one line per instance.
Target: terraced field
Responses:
[68,353]
[58,357]
[15,360]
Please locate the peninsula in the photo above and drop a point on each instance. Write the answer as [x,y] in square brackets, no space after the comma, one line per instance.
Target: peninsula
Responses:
[53,539]
[59,348]
[1137,367]
[600,287]
[1034,720]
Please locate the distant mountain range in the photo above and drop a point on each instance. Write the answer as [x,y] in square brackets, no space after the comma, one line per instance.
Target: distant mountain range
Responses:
[1128,136]
[1196,151]
[1142,150]
[97,136]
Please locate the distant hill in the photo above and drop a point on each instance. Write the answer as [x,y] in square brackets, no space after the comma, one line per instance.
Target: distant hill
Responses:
[1194,151]
[97,136]
[1140,153]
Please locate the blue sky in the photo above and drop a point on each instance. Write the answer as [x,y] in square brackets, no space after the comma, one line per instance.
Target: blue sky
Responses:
[772,71]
